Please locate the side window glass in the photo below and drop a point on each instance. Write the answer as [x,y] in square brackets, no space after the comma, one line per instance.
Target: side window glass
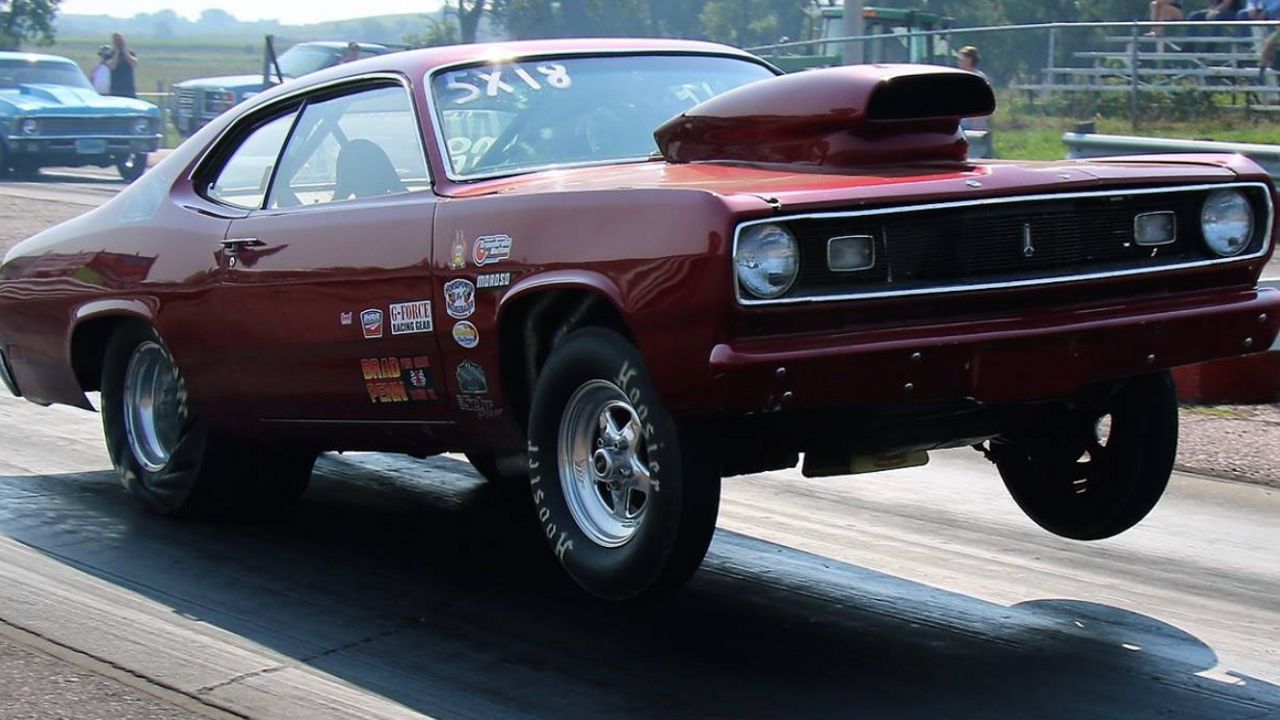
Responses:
[361,145]
[243,179]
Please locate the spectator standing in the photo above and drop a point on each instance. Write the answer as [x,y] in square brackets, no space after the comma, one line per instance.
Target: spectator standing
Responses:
[101,75]
[122,64]
[969,59]
[352,54]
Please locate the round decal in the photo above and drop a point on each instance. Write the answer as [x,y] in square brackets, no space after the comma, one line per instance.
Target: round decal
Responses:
[466,334]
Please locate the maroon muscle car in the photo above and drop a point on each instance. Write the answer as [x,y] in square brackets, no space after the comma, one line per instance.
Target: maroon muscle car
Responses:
[618,271]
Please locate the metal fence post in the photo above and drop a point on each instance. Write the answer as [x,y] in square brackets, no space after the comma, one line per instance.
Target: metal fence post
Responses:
[1133,78]
[1050,62]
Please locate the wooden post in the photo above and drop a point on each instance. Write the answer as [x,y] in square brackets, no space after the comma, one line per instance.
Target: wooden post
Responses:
[1133,78]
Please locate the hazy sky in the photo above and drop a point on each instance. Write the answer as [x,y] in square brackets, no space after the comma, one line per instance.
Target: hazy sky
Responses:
[287,11]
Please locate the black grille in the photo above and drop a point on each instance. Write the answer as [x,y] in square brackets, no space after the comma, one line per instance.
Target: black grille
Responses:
[1006,242]
[87,126]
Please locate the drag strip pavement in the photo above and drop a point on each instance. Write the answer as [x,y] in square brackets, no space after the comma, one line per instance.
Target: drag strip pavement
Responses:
[403,587]
[87,187]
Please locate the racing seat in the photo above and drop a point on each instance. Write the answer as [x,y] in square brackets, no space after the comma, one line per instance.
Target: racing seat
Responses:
[364,170]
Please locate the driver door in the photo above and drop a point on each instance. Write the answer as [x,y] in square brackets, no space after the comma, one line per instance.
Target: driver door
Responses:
[328,292]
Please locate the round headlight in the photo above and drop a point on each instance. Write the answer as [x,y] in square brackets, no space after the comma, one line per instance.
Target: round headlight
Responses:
[141,126]
[1227,222]
[768,260]
[29,126]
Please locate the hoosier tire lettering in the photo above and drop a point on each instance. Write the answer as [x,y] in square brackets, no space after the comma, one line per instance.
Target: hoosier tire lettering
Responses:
[601,446]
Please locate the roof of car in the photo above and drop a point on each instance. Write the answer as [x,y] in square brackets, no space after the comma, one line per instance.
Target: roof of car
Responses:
[32,57]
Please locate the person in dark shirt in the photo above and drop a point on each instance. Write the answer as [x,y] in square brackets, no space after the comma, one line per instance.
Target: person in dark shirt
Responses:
[122,64]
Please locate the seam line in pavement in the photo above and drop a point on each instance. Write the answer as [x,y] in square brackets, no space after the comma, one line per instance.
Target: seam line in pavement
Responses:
[241,677]
[112,671]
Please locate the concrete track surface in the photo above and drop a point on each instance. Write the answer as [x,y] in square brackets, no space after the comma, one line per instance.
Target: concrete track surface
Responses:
[402,587]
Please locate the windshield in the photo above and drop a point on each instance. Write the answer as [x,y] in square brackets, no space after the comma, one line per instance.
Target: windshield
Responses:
[302,60]
[14,73]
[505,118]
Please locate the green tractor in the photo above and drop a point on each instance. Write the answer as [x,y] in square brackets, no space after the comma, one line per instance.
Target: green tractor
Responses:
[825,19]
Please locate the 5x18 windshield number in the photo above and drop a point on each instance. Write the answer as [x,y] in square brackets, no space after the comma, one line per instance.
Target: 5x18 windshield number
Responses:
[555,76]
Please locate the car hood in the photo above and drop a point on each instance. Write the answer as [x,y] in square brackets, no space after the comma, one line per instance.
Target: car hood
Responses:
[788,189]
[64,100]
[238,83]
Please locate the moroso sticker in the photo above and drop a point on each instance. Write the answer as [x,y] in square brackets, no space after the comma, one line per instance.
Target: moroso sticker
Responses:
[458,257]
[344,318]
[491,249]
[482,408]
[488,281]
[471,378]
[396,380]
[411,317]
[459,298]
[371,321]
[466,334]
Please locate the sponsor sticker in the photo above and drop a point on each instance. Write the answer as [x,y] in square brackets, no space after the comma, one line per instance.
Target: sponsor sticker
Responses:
[458,256]
[488,281]
[471,378]
[459,298]
[398,379]
[371,321]
[483,408]
[411,317]
[344,318]
[466,334]
[491,249]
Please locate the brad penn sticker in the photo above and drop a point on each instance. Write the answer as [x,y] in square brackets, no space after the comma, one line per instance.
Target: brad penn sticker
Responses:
[491,249]
[459,298]
[466,334]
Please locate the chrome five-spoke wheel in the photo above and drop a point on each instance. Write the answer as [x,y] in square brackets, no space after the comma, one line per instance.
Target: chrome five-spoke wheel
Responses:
[604,464]
[152,406]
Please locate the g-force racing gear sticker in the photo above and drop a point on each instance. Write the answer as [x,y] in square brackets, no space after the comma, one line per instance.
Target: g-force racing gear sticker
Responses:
[411,317]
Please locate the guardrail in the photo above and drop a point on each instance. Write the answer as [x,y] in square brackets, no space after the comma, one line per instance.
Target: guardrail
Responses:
[1090,145]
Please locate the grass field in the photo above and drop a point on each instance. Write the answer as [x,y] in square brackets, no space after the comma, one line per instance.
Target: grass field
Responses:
[165,62]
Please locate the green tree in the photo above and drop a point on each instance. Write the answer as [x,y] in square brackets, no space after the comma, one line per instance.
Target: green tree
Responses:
[24,20]
[752,22]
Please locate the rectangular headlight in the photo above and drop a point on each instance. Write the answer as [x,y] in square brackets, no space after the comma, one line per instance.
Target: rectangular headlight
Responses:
[850,253]
[1155,228]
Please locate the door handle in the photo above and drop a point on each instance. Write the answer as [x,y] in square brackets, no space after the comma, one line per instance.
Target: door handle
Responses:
[235,245]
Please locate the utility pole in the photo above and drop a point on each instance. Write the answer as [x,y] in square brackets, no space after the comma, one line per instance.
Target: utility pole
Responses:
[851,53]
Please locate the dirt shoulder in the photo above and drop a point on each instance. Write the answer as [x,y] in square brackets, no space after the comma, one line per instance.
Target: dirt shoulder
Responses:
[1230,442]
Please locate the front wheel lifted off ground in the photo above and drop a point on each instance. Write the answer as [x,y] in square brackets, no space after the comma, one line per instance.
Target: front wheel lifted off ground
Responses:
[1094,471]
[625,495]
[166,456]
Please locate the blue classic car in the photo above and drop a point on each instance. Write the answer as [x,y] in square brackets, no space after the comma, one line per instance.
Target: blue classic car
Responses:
[51,115]
[195,102]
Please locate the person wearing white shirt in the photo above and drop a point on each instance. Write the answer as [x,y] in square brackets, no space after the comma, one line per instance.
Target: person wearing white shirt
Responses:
[101,76]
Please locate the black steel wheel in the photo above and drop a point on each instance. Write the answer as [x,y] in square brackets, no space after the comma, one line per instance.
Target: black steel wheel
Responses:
[625,495]
[1095,472]
[132,166]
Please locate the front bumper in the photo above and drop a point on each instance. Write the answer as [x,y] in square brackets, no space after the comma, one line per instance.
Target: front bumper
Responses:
[83,147]
[1005,360]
